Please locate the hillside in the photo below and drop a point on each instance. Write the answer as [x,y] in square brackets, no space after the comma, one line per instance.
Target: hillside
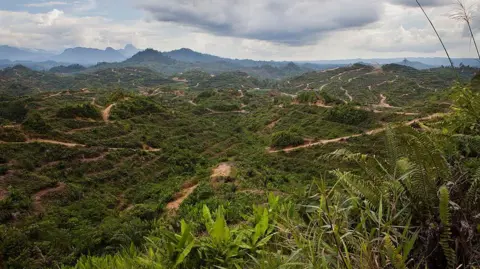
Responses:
[184,60]
[67,69]
[104,168]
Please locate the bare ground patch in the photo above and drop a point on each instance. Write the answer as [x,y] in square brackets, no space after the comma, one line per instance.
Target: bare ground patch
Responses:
[3,194]
[106,112]
[187,189]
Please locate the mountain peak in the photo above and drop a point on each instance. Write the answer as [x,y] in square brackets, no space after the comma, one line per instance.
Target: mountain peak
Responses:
[129,47]
[189,55]
[187,49]
[149,55]
[292,66]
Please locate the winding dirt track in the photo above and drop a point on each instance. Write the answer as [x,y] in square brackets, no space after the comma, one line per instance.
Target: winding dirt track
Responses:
[106,112]
[383,102]
[323,86]
[347,94]
[47,141]
[37,197]
[345,138]
[72,131]
[181,196]
[272,124]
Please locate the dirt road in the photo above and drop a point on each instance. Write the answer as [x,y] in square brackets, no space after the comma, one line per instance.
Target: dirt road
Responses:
[106,112]
[180,197]
[345,138]
[383,102]
[347,94]
[37,197]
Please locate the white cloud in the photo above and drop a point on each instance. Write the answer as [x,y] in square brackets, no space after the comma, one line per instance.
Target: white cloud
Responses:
[398,31]
[46,4]
[281,21]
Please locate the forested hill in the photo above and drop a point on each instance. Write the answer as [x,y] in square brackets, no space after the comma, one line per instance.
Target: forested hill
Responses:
[122,166]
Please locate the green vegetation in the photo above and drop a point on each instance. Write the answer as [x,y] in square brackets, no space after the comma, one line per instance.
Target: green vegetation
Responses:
[348,114]
[191,174]
[80,111]
[284,139]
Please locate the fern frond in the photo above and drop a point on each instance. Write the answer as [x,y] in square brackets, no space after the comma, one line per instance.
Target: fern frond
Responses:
[358,187]
[392,148]
[445,236]
[473,193]
[345,155]
[396,258]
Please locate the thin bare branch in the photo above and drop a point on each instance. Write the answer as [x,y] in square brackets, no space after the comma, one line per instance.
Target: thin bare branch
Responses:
[464,13]
[438,35]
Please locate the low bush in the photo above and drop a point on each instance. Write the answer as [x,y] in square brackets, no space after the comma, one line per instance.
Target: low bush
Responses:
[286,138]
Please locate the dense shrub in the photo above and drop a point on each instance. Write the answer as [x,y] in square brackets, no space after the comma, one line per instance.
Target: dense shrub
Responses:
[286,138]
[135,107]
[79,111]
[36,123]
[13,111]
[11,135]
[307,97]
[225,107]
[329,99]
[347,114]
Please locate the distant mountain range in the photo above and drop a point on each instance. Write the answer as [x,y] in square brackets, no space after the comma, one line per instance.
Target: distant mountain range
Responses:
[79,55]
[20,54]
[429,61]
[89,56]
[416,65]
[185,59]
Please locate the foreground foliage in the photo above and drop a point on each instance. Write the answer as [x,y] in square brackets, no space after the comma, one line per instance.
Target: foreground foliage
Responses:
[106,197]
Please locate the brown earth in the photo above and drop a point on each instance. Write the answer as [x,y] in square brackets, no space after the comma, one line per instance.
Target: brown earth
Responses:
[222,170]
[3,194]
[187,189]
[106,112]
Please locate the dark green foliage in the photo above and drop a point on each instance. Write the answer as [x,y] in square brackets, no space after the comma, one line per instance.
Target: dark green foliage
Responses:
[88,111]
[348,114]
[36,123]
[378,208]
[14,110]
[329,99]
[11,135]
[135,107]
[286,138]
[67,69]
[307,97]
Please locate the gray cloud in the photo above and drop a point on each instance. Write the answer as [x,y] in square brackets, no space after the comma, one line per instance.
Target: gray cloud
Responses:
[46,4]
[281,21]
[425,3]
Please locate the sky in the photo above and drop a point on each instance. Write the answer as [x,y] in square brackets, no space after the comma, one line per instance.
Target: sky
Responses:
[255,29]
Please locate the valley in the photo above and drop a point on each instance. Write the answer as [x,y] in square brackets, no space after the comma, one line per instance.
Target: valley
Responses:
[97,160]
